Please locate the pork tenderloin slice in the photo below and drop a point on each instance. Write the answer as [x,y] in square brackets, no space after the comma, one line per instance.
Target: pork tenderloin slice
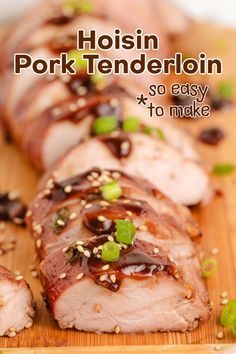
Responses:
[138,154]
[147,294]
[16,304]
[137,195]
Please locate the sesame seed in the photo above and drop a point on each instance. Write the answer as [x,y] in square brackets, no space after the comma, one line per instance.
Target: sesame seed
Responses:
[81,90]
[114,102]
[113,278]
[29,213]
[223,294]
[95,174]
[90,178]
[217,348]
[87,253]
[79,243]
[224,301]
[72,216]
[34,274]
[106,267]
[220,335]
[47,191]
[117,329]
[65,249]
[60,222]
[126,201]
[18,221]
[103,277]
[104,203]
[143,228]
[62,276]
[95,184]
[13,195]
[129,213]
[100,247]
[80,276]
[116,175]
[101,218]
[56,111]
[28,325]
[39,243]
[73,107]
[68,189]
[19,277]
[81,102]
[123,246]
[87,206]
[215,250]
[156,250]
[171,259]
[12,329]
[95,250]
[80,249]
[110,238]
[124,147]
[11,334]
[83,202]
[98,308]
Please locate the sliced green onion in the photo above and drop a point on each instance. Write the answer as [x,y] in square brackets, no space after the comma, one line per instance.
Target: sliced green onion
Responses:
[158,131]
[111,191]
[148,130]
[105,125]
[228,314]
[234,327]
[98,78]
[131,124]
[125,231]
[84,7]
[225,90]
[223,169]
[209,267]
[77,55]
[110,251]
[161,134]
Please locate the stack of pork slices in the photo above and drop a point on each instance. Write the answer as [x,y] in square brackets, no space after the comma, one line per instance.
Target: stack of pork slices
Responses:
[116,246]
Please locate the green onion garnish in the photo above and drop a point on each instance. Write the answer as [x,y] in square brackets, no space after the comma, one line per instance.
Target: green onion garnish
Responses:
[225,90]
[105,125]
[125,231]
[148,130]
[223,169]
[110,251]
[84,7]
[234,327]
[80,63]
[228,314]
[131,124]
[98,78]
[155,131]
[209,267]
[161,134]
[111,191]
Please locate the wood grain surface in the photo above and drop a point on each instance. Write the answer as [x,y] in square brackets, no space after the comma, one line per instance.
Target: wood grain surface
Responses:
[217,220]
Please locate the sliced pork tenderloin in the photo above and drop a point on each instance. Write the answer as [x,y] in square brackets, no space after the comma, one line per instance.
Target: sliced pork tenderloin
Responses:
[144,156]
[71,221]
[17,306]
[53,204]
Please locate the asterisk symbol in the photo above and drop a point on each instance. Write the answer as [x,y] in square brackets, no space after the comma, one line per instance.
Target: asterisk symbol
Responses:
[142,99]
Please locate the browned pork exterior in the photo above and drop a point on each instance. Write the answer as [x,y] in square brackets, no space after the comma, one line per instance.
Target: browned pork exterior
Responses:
[16,304]
[155,284]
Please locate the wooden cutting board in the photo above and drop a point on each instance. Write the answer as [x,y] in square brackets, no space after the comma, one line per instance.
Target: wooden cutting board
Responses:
[217,220]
